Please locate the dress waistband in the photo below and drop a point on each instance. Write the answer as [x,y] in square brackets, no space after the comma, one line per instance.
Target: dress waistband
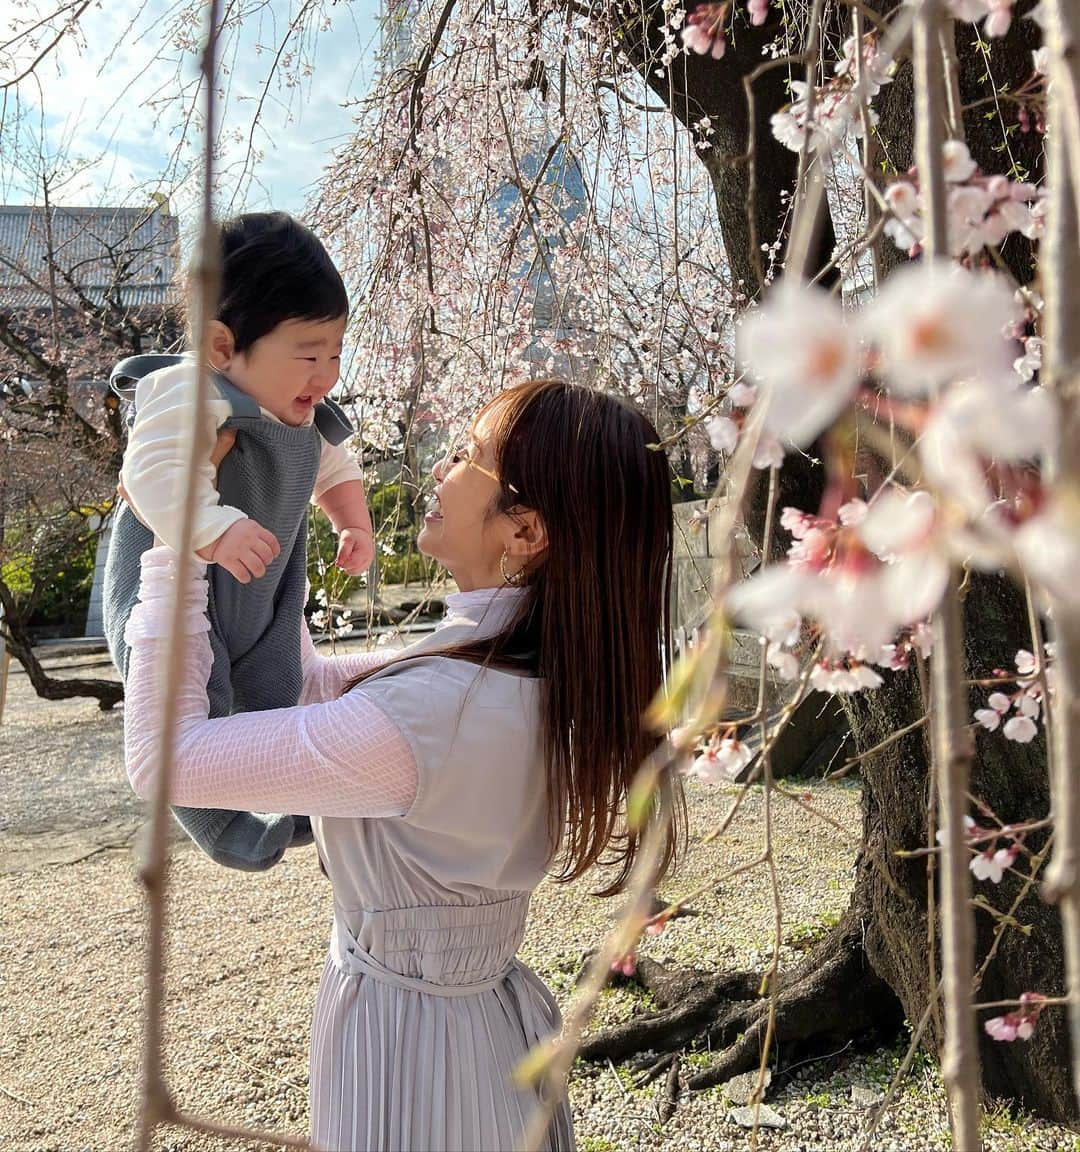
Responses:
[517,986]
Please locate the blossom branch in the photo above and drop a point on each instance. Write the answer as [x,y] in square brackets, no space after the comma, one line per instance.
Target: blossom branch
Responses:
[157,1106]
[952,742]
[1061,279]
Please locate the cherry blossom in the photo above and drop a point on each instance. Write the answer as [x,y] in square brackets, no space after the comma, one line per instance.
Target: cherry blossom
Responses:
[980,210]
[843,677]
[836,103]
[721,762]
[1022,729]
[1026,700]
[703,31]
[992,864]
[858,599]
[724,431]
[1018,1025]
[1030,362]
[806,357]
[935,323]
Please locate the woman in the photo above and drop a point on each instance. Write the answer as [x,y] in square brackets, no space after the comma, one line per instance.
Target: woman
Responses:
[444,782]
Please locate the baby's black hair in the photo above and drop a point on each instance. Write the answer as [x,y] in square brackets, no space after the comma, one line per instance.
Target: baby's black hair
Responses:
[274,269]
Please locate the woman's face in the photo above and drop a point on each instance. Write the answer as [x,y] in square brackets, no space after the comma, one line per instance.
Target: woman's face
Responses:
[462,529]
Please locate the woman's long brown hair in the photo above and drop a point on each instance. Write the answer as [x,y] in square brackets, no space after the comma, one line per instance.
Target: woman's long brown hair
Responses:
[595,626]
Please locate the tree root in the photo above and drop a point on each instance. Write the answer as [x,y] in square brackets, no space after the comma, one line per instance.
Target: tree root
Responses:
[832,997]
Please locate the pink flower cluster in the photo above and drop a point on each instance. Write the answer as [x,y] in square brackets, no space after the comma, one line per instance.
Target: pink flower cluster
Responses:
[869,573]
[703,32]
[836,103]
[721,761]
[1018,1025]
[981,210]
[724,430]
[1026,701]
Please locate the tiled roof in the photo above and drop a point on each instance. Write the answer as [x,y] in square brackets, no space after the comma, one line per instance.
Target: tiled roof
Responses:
[127,254]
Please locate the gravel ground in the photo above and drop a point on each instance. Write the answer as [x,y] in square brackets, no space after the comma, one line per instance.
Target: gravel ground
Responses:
[246,952]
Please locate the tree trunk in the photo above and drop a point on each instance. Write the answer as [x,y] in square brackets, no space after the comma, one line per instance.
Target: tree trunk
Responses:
[1011,779]
[882,942]
[108,693]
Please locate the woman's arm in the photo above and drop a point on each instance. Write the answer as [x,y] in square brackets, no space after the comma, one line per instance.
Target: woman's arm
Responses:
[325,677]
[339,758]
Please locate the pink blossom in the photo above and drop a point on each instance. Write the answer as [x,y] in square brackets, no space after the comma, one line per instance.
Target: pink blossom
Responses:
[742,395]
[1020,1024]
[1048,546]
[988,718]
[898,522]
[934,323]
[1022,729]
[625,965]
[796,521]
[721,763]
[1025,662]
[956,161]
[799,346]
[1027,365]
[785,664]
[852,513]
[991,865]
[758,11]
[703,32]
[723,433]
[1001,1028]
[842,679]
[769,601]
[999,702]
[997,23]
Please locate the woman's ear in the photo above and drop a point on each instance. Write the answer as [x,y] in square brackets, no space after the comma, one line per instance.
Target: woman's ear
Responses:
[222,346]
[529,537]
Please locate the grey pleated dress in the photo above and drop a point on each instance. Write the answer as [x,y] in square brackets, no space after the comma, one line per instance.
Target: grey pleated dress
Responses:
[423,1011]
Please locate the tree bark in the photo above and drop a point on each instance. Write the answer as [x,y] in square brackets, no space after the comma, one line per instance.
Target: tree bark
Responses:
[108,693]
[889,903]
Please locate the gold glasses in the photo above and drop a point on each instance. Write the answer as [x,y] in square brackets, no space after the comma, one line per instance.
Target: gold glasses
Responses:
[460,456]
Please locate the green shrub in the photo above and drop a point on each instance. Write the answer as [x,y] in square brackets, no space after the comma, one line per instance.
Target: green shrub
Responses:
[61,568]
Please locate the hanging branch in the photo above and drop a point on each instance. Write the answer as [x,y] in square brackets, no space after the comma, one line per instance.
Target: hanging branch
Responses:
[1060,264]
[952,749]
[157,1105]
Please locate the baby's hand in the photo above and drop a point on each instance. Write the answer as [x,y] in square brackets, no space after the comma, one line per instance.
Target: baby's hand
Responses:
[355,551]
[244,550]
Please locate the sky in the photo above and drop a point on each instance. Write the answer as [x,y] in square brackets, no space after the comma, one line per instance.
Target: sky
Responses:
[109,105]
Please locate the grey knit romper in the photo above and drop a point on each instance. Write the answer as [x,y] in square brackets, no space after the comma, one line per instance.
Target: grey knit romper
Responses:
[269,474]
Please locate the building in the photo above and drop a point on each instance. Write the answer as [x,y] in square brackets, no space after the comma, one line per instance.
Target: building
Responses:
[122,256]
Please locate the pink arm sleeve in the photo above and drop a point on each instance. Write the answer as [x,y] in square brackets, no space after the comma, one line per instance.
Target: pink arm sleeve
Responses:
[326,676]
[344,757]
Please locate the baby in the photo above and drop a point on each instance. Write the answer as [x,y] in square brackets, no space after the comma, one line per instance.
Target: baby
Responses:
[275,348]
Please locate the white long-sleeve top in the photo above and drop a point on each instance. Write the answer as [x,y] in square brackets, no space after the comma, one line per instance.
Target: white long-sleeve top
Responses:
[155,463]
[332,755]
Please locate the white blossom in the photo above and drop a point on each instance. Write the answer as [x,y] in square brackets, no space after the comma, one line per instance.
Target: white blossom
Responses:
[936,323]
[807,358]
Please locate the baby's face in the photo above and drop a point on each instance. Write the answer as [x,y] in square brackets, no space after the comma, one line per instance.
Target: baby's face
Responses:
[290,369]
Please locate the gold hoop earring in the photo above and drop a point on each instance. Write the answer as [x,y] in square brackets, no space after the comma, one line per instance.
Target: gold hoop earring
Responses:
[514,579]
